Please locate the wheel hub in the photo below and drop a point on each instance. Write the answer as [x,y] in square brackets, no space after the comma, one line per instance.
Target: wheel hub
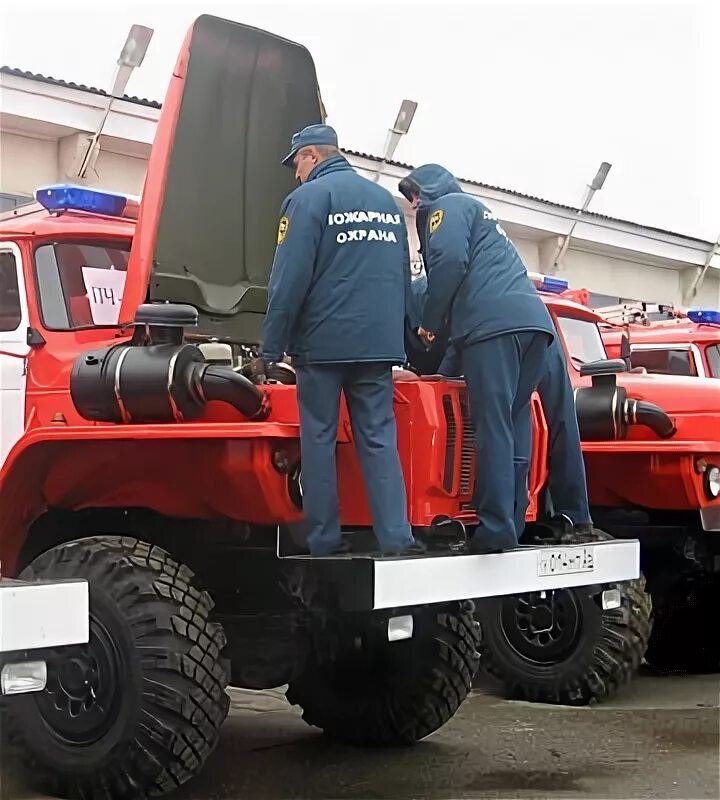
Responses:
[82,696]
[542,629]
[78,677]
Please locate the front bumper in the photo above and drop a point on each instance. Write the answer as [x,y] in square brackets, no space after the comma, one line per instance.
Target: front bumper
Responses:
[365,583]
[35,617]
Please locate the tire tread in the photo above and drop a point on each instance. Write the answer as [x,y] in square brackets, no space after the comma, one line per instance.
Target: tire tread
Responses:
[446,662]
[184,676]
[616,657]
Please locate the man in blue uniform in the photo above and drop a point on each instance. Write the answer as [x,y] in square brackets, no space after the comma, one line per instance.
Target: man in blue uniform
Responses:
[423,357]
[479,287]
[567,503]
[567,483]
[336,305]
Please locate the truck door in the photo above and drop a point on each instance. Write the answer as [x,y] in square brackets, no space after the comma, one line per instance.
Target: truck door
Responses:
[13,348]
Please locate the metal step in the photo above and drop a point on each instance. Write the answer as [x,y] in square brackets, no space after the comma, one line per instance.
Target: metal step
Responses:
[368,581]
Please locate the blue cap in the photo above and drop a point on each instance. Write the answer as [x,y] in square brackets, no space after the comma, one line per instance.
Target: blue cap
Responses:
[312,135]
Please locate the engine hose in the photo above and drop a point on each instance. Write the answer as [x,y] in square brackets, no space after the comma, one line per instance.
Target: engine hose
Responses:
[221,383]
[650,415]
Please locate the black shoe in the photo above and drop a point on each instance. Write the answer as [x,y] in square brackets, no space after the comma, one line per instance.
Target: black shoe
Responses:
[580,534]
[585,529]
[415,549]
[564,531]
[447,535]
[575,534]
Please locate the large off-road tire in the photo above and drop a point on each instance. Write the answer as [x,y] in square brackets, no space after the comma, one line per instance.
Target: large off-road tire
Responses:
[564,648]
[685,635]
[393,693]
[136,712]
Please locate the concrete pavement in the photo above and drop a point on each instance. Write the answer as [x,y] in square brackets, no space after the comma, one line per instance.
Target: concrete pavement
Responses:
[658,739]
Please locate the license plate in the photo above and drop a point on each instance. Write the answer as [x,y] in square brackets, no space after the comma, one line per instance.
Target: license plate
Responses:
[563,560]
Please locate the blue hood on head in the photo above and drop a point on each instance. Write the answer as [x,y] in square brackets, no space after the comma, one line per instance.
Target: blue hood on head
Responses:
[434,182]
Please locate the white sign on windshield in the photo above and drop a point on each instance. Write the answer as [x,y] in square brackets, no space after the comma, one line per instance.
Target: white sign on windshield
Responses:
[105,292]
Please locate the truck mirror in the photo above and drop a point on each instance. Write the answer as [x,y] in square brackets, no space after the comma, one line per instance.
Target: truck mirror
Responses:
[35,338]
[625,347]
[605,367]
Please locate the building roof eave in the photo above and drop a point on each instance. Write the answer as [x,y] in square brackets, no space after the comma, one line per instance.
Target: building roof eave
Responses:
[513,206]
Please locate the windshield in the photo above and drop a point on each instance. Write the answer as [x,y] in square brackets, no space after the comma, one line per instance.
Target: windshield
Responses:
[80,284]
[582,340]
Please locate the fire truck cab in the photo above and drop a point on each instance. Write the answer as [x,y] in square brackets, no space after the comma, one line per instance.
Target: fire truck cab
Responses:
[664,340]
[34,617]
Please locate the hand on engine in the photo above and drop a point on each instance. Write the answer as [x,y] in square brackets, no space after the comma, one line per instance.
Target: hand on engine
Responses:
[426,336]
[257,370]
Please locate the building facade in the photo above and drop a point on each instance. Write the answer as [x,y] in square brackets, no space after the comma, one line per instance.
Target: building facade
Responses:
[46,126]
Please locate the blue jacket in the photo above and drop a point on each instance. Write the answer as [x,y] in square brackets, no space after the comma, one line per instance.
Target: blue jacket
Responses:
[341,272]
[477,282]
[416,301]
[422,358]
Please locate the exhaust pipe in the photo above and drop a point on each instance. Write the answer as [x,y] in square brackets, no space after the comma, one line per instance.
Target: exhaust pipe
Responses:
[221,383]
[605,412]
[640,412]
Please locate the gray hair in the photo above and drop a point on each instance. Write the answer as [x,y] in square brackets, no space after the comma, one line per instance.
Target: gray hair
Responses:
[327,150]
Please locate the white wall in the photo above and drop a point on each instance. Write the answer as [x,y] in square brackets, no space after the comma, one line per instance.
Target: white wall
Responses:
[528,251]
[629,279]
[614,277]
[709,294]
[26,164]
[122,173]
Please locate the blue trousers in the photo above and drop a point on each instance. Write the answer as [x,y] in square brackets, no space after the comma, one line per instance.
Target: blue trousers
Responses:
[567,484]
[501,375]
[368,390]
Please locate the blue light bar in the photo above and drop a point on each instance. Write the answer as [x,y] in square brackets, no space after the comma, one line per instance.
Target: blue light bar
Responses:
[548,283]
[554,285]
[707,315]
[65,197]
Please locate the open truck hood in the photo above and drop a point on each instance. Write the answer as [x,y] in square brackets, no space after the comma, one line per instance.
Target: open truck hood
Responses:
[207,225]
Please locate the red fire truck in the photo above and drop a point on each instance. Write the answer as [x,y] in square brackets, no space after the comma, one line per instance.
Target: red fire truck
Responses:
[138,456]
[668,492]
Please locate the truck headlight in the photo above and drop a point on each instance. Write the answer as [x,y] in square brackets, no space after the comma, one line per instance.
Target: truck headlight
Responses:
[26,676]
[712,481]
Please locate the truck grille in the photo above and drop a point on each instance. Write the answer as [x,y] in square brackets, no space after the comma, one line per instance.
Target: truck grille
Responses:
[450,443]
[467,451]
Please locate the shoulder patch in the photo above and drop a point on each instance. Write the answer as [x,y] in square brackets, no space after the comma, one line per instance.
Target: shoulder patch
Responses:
[436,220]
[283,226]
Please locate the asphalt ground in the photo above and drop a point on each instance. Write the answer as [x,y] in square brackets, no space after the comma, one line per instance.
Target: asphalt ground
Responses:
[659,738]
